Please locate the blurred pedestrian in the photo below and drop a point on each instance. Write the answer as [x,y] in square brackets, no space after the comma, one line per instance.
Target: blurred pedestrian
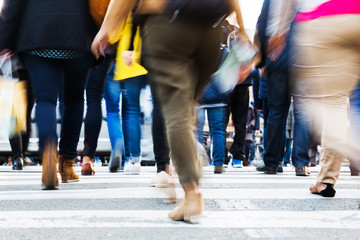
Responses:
[52,55]
[322,56]
[180,53]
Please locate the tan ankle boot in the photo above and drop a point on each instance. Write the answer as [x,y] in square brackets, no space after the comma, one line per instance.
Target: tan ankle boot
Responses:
[49,179]
[87,168]
[190,209]
[66,170]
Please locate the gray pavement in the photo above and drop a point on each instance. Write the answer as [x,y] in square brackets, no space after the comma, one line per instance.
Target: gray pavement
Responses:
[239,204]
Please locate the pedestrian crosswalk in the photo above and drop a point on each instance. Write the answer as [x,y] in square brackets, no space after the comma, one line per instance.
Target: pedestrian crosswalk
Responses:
[239,204]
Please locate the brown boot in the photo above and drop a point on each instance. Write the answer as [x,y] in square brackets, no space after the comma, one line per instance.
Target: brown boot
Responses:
[49,179]
[66,170]
[87,166]
[190,209]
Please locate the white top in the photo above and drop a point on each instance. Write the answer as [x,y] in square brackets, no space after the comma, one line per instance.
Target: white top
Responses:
[283,11]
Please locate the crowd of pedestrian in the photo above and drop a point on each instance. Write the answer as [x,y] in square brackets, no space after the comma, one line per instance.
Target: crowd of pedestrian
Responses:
[302,78]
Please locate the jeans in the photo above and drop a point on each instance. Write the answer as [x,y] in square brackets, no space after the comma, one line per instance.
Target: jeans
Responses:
[94,96]
[112,92]
[239,108]
[302,133]
[218,118]
[287,154]
[132,115]
[278,102]
[355,122]
[46,75]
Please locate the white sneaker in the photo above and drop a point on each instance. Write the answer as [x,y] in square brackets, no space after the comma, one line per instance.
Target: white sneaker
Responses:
[160,180]
[132,168]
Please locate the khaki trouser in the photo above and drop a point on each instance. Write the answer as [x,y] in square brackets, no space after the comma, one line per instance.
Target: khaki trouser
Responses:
[180,57]
[326,54]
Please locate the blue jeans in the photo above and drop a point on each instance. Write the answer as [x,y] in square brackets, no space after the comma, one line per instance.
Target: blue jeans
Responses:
[287,151]
[278,102]
[218,118]
[112,93]
[131,118]
[355,120]
[302,133]
[46,76]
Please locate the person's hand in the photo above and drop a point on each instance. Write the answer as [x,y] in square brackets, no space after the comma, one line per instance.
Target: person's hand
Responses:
[100,43]
[128,57]
[151,6]
[275,46]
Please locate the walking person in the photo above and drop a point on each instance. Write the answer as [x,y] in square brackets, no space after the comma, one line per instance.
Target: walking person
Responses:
[53,55]
[180,56]
[322,56]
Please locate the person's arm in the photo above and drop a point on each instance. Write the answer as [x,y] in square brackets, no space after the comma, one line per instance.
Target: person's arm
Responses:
[116,13]
[236,8]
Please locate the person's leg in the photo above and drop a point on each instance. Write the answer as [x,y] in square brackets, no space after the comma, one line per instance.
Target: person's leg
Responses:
[132,132]
[200,123]
[278,103]
[160,146]
[112,93]
[175,78]
[288,151]
[217,117]
[94,117]
[355,128]
[45,76]
[239,108]
[76,74]
[302,135]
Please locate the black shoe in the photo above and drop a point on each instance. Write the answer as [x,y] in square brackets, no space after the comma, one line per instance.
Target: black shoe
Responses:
[18,164]
[218,169]
[280,169]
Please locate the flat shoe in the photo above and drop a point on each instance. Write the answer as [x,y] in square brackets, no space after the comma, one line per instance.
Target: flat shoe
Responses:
[329,191]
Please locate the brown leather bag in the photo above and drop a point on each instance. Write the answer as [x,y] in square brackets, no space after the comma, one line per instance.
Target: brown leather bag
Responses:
[98,10]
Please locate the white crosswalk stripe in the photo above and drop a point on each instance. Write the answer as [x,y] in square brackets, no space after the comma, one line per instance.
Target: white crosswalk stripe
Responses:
[239,204]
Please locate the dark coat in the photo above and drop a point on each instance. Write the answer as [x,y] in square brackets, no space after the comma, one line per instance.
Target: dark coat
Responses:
[31,24]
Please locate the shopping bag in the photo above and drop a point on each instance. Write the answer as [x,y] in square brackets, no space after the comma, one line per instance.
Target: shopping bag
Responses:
[241,55]
[13,98]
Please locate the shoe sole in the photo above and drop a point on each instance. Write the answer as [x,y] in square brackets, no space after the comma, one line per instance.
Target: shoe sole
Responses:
[70,181]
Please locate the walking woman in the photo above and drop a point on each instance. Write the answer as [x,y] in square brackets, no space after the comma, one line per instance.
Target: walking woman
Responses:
[326,66]
[53,38]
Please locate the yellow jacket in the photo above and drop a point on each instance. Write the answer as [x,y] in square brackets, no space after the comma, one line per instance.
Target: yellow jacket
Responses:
[123,71]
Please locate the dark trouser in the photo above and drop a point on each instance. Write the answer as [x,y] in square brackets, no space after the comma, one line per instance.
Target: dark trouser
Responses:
[94,95]
[278,102]
[180,57]
[160,146]
[46,76]
[239,108]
